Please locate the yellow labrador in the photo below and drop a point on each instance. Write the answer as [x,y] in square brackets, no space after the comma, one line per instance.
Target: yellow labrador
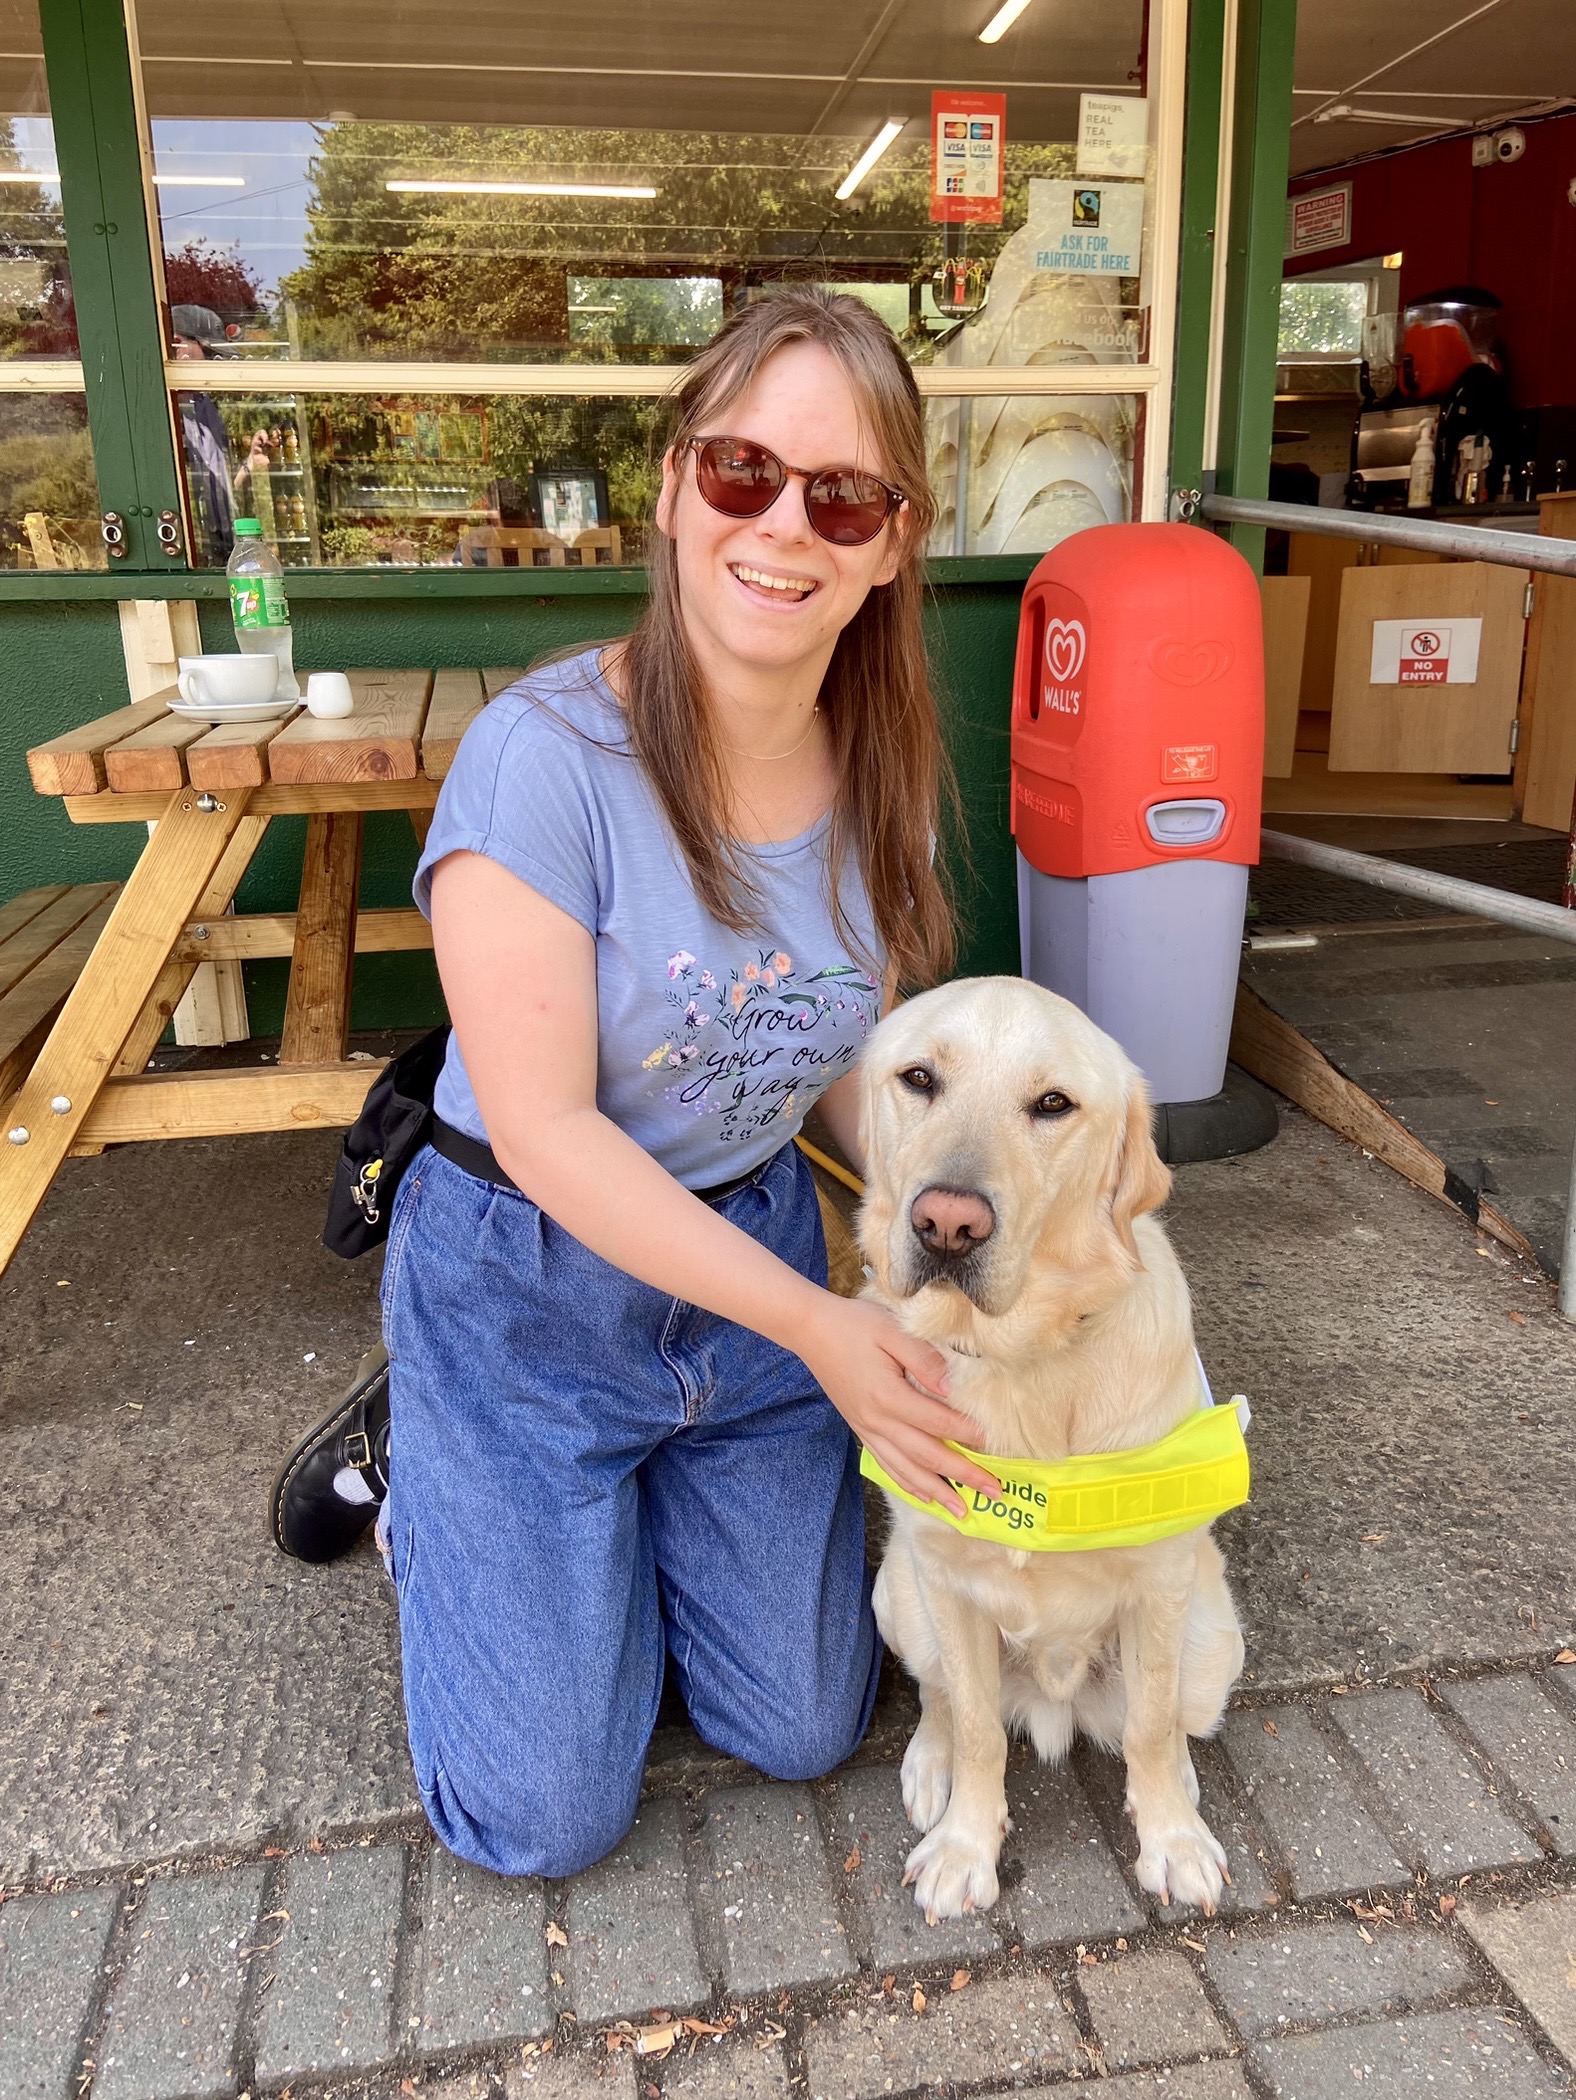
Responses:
[1011,1170]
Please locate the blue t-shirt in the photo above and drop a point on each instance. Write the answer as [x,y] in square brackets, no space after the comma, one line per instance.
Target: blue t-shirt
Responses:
[712,1046]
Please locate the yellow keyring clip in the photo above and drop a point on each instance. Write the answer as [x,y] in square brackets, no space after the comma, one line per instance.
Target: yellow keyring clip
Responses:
[1108,1498]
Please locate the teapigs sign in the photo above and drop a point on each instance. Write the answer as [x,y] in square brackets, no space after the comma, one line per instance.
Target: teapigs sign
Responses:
[1093,227]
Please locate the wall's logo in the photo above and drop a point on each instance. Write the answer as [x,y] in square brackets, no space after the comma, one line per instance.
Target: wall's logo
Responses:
[1181,662]
[1065,643]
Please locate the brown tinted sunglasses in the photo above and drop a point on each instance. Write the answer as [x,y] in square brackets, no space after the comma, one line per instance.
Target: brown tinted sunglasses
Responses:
[844,505]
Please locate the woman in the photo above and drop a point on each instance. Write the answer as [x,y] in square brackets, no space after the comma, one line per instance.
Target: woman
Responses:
[668,881]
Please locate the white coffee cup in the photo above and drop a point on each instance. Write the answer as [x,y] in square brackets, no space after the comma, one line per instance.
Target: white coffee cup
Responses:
[227,681]
[328,695]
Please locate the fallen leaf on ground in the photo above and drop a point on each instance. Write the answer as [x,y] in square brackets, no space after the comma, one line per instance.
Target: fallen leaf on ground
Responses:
[1566,1655]
[888,1981]
[1196,1945]
[1446,1905]
[693,2026]
[1270,1728]
[961,1979]
[1519,1318]
[556,1936]
[918,2001]
[851,1864]
[1365,1935]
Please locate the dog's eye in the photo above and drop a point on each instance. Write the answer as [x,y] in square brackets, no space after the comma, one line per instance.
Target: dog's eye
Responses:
[919,1079]
[1053,1104]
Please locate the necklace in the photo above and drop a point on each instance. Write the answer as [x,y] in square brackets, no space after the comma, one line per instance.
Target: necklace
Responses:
[770,758]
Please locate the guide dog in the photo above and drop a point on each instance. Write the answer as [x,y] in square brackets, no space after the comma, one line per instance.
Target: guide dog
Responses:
[1011,1177]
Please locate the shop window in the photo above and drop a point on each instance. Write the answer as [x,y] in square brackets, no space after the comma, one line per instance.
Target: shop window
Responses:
[37,313]
[1321,319]
[49,503]
[470,191]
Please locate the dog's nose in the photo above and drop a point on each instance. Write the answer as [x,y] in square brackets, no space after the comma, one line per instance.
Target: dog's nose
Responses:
[951,1222]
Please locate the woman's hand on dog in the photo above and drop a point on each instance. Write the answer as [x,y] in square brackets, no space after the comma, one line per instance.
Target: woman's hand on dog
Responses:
[889,1387]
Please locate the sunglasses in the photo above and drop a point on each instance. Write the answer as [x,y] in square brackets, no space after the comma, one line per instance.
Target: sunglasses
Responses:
[844,505]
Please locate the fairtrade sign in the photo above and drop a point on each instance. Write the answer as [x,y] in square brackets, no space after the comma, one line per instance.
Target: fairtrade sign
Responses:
[967,138]
[1425,652]
[1097,227]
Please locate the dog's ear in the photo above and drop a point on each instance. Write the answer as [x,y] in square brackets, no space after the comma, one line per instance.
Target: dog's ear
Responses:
[1140,1179]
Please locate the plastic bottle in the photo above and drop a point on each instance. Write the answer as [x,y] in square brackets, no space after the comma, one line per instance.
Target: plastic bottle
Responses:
[1420,481]
[258,605]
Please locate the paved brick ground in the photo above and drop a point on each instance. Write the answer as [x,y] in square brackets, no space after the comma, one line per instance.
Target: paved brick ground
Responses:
[1403,1917]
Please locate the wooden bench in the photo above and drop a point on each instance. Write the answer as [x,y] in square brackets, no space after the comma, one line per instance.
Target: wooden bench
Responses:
[46,935]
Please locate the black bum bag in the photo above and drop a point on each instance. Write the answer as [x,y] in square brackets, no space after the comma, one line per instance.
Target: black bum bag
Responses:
[395,1122]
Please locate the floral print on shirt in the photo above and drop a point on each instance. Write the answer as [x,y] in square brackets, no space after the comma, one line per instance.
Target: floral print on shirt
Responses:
[760,1041]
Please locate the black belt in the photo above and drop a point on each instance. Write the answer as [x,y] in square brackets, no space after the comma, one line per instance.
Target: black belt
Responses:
[481,1160]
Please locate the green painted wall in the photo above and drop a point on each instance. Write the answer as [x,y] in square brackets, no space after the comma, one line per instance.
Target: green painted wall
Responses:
[60,664]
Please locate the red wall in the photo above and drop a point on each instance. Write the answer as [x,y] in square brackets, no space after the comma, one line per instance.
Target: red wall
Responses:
[1508,227]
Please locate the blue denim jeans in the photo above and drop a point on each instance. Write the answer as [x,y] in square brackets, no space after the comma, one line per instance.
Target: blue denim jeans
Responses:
[588,1479]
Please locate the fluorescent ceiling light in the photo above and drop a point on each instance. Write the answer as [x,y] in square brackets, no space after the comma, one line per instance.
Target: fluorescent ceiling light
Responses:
[521,189]
[28,175]
[200,182]
[1001,21]
[1344,113]
[867,160]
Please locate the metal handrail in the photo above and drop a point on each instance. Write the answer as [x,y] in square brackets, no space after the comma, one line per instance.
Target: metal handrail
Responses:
[1517,550]
[1526,914]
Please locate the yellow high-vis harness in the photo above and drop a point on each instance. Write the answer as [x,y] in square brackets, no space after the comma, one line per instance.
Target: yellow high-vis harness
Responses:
[1108,1498]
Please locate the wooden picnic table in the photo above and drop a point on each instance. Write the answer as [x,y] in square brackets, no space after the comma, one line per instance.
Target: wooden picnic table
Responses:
[210,794]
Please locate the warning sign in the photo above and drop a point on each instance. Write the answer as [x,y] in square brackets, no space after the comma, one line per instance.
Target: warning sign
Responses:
[1425,652]
[1319,219]
[968,135]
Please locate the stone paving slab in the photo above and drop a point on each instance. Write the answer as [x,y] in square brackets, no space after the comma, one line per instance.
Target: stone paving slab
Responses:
[872,1831]
[171,2024]
[631,1939]
[1150,2008]
[730,2069]
[330,2005]
[1533,1945]
[1446,1814]
[1305,1799]
[1206,2081]
[1013,2029]
[483,1957]
[1071,1887]
[51,1950]
[580,2077]
[1309,1974]
[780,1926]
[1434,2055]
[1251,1887]
[1531,1740]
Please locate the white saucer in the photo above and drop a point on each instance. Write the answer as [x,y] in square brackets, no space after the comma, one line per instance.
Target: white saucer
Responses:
[262,711]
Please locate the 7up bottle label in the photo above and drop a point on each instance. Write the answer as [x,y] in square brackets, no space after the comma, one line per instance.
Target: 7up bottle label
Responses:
[258,601]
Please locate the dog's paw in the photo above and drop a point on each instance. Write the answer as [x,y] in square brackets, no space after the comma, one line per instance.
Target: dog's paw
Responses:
[1183,1863]
[952,1872]
[927,1780]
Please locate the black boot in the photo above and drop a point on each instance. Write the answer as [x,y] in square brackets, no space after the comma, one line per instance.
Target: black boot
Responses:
[312,1521]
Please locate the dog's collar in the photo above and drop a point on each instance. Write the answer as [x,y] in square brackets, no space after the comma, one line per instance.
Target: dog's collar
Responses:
[1108,1498]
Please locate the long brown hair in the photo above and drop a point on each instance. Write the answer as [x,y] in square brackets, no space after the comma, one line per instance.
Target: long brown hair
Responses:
[892,769]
